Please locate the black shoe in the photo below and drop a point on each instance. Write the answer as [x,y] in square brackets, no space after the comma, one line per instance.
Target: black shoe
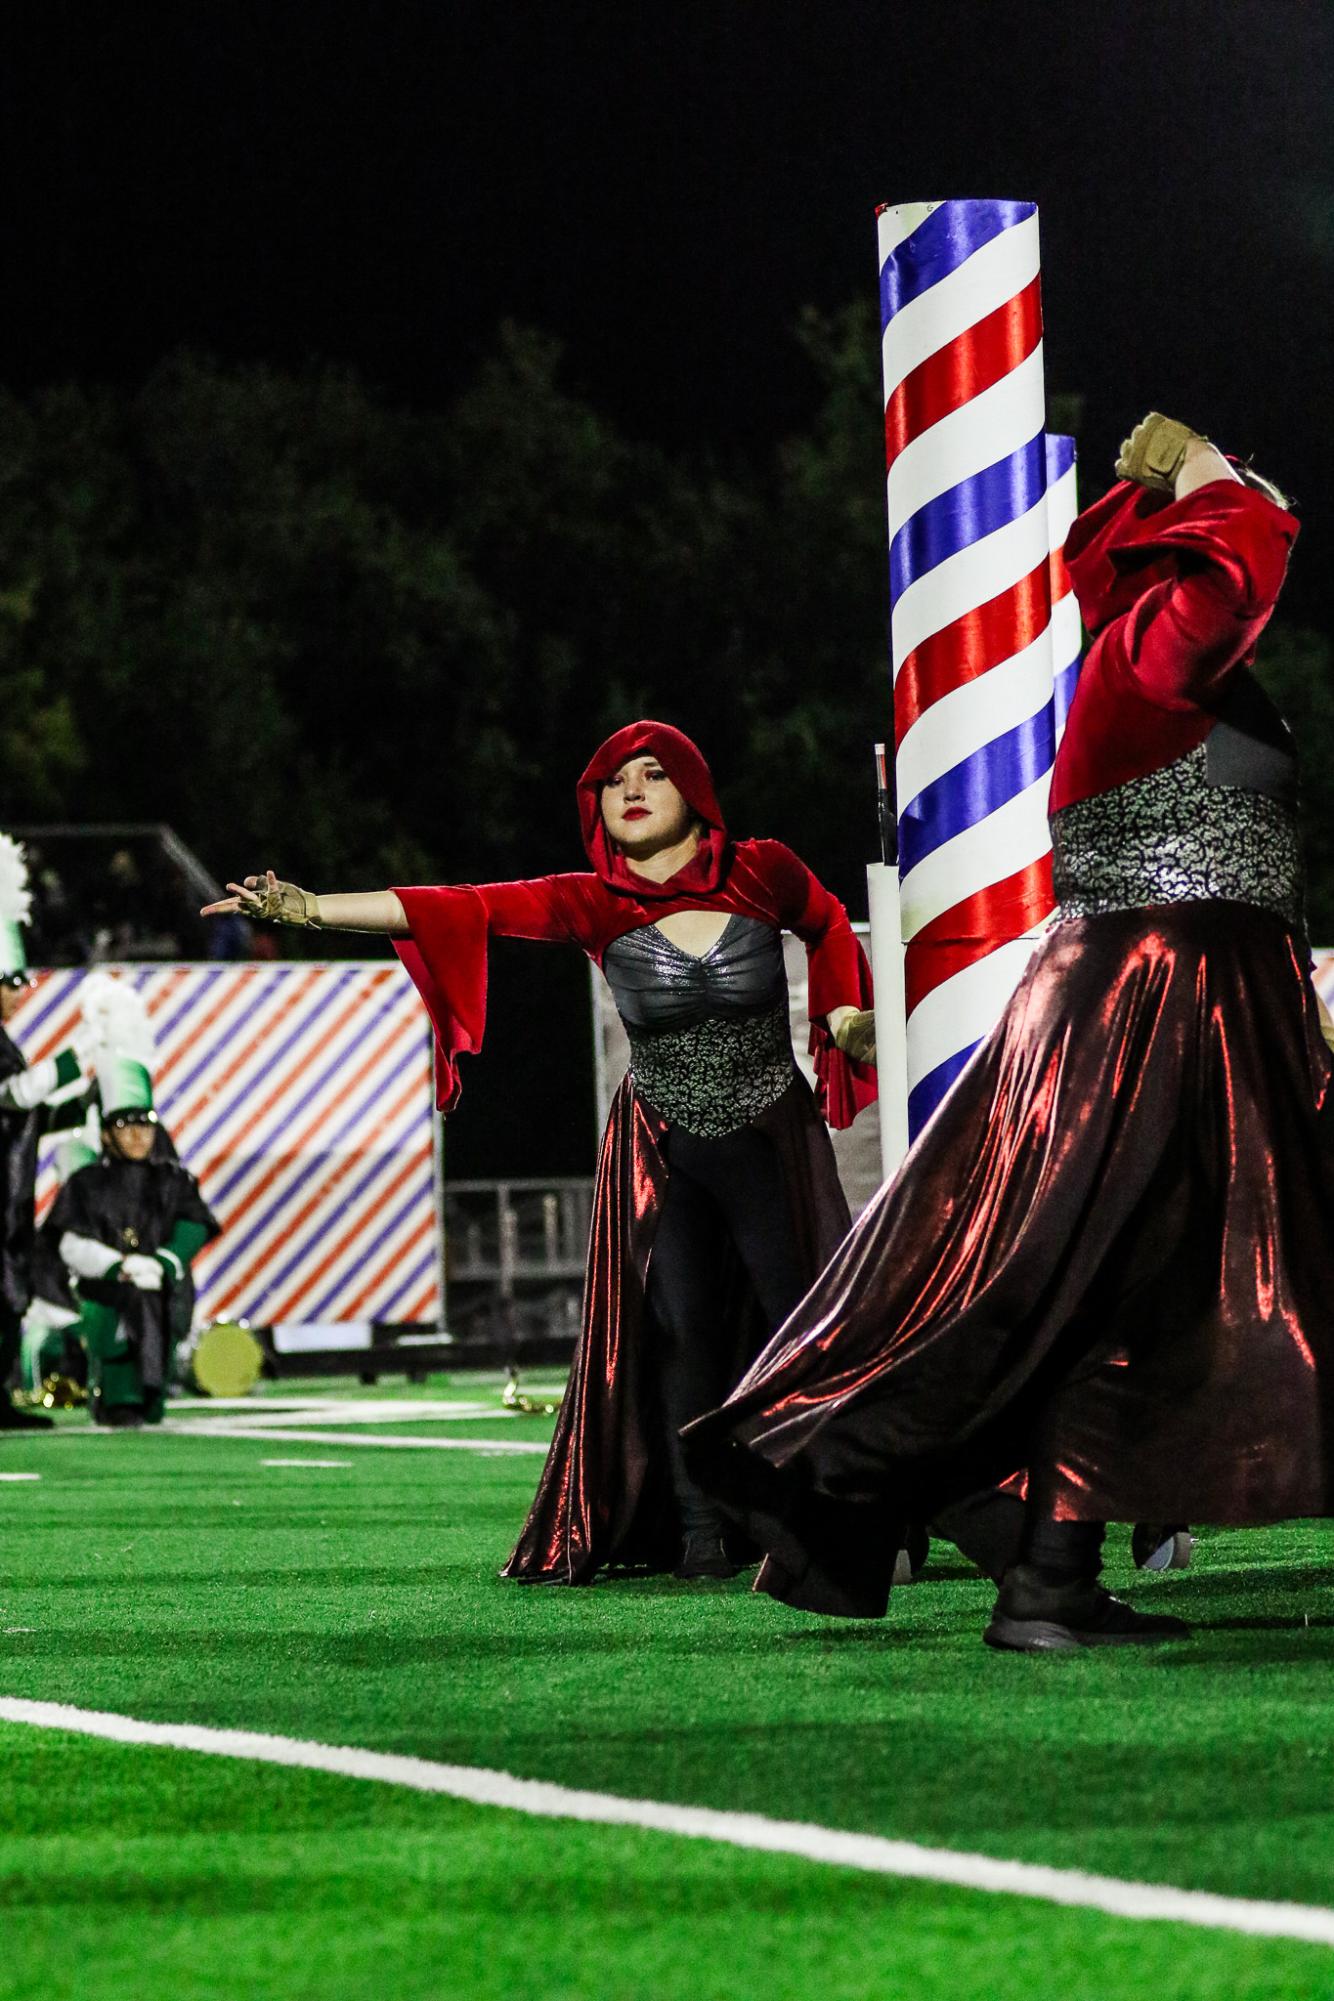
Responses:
[913,1553]
[1161,1546]
[14,1419]
[118,1416]
[1032,1618]
[704,1556]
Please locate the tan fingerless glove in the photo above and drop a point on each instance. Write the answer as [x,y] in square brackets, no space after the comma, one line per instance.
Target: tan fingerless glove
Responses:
[1154,452]
[855,1035]
[285,903]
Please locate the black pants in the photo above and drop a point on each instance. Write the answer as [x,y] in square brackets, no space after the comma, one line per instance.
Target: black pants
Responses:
[720,1192]
[11,1334]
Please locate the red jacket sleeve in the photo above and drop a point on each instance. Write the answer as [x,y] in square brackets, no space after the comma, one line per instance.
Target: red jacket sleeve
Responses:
[837,973]
[446,954]
[1212,567]
[1187,634]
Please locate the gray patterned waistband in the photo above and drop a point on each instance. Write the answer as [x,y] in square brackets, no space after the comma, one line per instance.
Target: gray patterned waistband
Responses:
[1174,837]
[716,1075]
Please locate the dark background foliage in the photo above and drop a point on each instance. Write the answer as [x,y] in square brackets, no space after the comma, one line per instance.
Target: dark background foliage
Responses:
[399,398]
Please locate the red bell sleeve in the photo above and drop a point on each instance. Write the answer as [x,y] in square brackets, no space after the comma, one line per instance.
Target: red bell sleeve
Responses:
[1178,596]
[1186,635]
[837,976]
[446,954]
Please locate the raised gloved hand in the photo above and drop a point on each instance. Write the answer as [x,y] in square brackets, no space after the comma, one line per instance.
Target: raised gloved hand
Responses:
[855,1034]
[1155,451]
[277,903]
[269,901]
[140,1270]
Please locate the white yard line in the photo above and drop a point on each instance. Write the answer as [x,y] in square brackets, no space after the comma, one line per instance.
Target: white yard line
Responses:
[872,1853]
[305,1462]
[275,1434]
[346,1411]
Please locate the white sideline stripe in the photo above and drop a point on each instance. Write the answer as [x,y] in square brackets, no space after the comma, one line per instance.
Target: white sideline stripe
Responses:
[277,1435]
[305,1462]
[876,1854]
[20,1476]
[398,1410]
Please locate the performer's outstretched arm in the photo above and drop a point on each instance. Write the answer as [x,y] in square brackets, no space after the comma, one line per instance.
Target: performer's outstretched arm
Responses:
[1186,636]
[264,896]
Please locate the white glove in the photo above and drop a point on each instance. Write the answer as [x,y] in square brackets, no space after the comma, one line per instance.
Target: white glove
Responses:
[142,1271]
[31,1087]
[86,1257]
[85,1042]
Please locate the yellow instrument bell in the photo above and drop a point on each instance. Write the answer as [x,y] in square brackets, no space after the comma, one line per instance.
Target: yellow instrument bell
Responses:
[226,1360]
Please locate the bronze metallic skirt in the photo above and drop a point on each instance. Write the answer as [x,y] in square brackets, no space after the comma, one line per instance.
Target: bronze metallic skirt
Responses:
[1108,1260]
[604,1498]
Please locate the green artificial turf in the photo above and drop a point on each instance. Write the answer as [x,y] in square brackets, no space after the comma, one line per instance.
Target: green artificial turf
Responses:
[179,1578]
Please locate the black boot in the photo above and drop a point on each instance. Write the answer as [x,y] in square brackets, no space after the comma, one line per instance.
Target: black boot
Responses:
[14,1419]
[913,1553]
[118,1416]
[1161,1546]
[704,1555]
[1036,1616]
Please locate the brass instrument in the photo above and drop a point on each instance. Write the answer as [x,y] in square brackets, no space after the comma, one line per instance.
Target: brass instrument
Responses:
[56,1393]
[516,1399]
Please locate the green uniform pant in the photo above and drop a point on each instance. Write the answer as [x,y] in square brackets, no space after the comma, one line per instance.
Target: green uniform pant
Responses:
[113,1367]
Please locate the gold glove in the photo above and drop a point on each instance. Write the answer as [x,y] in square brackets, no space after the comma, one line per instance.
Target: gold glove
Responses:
[1154,452]
[855,1035]
[1326,1025]
[277,902]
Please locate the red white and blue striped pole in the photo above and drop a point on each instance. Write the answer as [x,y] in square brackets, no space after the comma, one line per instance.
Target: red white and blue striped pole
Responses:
[970,529]
[1066,632]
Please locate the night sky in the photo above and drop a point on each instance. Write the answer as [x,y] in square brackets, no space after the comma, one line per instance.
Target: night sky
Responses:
[666,185]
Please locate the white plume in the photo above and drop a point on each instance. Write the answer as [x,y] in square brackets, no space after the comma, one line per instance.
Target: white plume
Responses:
[116,1016]
[15,896]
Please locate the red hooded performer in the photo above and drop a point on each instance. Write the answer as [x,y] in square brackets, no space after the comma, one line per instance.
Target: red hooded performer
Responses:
[1107,1259]
[716,1201]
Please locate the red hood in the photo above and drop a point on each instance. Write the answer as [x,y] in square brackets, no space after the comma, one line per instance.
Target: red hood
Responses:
[1132,539]
[685,766]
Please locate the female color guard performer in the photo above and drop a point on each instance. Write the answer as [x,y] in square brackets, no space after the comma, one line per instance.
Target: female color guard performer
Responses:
[717,1200]
[1108,1258]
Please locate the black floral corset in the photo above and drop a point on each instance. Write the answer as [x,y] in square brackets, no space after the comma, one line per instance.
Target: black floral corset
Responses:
[1192,832]
[710,1045]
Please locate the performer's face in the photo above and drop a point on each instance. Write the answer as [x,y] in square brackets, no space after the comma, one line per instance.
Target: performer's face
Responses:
[643,810]
[131,1142]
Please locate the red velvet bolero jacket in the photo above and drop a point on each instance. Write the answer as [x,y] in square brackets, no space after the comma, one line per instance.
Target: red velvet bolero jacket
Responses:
[447,951]
[1176,594]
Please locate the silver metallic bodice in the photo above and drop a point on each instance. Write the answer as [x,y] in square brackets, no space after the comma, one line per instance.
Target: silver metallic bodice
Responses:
[1178,836]
[710,1045]
[657,985]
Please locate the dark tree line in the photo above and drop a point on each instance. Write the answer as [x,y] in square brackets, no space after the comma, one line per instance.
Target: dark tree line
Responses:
[372,644]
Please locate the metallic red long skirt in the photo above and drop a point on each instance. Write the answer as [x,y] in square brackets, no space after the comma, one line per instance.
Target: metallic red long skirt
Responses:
[1109,1259]
[605,1495]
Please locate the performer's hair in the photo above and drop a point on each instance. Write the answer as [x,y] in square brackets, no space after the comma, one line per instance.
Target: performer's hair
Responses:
[1250,477]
